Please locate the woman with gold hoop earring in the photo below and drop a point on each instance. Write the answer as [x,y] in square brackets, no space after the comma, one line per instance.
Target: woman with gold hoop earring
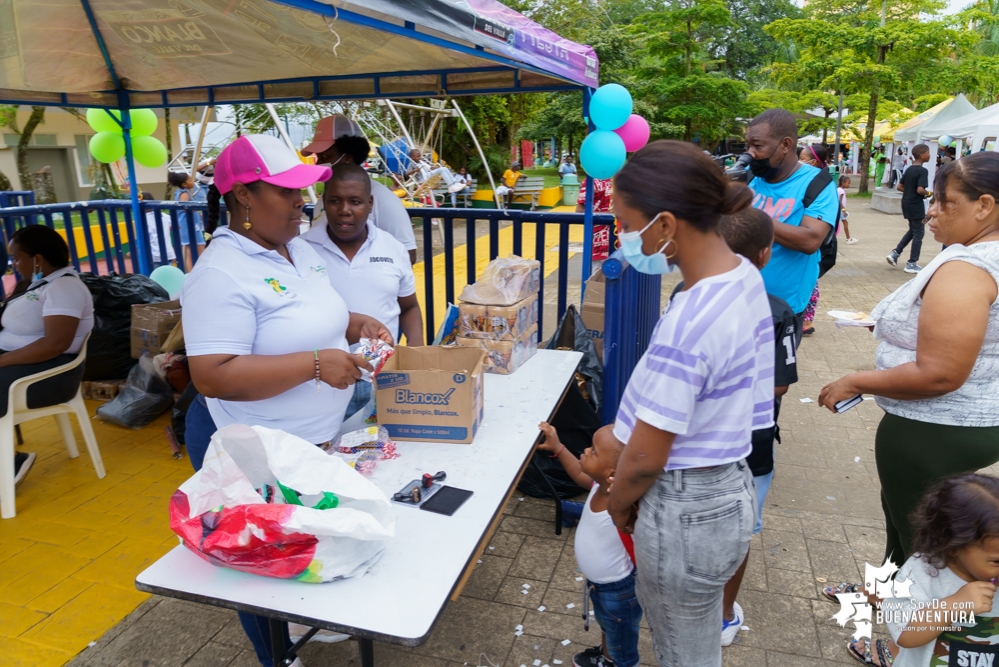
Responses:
[682,485]
[267,336]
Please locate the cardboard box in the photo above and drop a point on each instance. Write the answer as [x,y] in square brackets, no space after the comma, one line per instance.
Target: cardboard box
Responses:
[151,326]
[593,309]
[103,390]
[431,394]
[497,322]
[505,356]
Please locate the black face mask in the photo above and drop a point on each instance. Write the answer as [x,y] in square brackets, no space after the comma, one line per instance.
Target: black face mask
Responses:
[761,168]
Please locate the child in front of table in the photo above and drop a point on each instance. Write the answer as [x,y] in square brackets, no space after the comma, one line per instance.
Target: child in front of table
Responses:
[605,556]
[952,573]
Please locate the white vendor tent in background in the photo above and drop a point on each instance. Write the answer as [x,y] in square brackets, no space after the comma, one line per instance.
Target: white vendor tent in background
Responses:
[931,128]
[979,129]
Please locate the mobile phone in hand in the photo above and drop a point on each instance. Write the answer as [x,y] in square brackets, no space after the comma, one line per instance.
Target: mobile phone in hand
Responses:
[848,403]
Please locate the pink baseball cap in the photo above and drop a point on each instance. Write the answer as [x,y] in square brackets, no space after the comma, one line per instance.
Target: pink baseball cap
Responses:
[328,130]
[260,157]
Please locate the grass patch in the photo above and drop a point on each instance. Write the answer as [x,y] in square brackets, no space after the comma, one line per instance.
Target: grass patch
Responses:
[552,179]
[860,195]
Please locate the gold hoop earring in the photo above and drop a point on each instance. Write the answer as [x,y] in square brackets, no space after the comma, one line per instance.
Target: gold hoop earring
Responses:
[676,248]
[247,225]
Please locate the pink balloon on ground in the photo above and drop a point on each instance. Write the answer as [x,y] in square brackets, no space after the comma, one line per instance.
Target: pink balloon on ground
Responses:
[635,133]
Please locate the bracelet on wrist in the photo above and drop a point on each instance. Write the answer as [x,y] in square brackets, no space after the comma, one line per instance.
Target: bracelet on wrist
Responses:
[319,382]
[555,455]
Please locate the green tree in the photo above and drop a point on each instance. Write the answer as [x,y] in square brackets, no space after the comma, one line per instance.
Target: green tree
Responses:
[8,119]
[679,74]
[873,43]
[744,47]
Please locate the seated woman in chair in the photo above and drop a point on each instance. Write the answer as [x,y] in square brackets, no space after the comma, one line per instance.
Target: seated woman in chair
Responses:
[44,323]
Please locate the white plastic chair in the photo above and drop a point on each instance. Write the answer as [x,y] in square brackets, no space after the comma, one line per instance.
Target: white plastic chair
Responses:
[19,412]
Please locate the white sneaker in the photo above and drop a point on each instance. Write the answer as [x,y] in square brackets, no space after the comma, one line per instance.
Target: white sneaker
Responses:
[297,663]
[297,631]
[852,240]
[731,628]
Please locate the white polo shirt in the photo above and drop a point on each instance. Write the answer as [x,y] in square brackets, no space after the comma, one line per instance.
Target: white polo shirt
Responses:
[373,282]
[387,212]
[244,299]
[23,319]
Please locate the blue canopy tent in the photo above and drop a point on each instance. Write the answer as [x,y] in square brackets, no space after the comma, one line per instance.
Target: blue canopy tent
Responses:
[116,54]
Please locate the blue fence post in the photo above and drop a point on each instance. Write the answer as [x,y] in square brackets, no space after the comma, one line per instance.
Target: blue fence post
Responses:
[631,310]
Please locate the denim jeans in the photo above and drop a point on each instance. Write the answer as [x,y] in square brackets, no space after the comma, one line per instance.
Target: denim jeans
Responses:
[762,484]
[915,234]
[692,533]
[200,428]
[360,398]
[616,609]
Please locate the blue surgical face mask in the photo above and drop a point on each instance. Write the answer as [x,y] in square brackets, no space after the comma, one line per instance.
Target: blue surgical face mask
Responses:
[631,248]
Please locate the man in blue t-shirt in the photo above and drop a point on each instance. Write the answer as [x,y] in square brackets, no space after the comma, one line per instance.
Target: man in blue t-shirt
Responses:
[779,183]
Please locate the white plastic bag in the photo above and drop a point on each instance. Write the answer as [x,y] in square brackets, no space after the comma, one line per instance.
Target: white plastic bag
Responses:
[339,530]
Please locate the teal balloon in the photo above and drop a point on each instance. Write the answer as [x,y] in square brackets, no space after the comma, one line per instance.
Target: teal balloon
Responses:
[107,146]
[149,151]
[169,278]
[100,121]
[946,140]
[602,153]
[144,122]
[610,106]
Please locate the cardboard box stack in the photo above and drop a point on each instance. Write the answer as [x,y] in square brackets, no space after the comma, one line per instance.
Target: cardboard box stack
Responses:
[499,313]
[593,310]
[152,324]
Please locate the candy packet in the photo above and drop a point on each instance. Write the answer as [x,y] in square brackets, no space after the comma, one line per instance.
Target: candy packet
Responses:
[376,352]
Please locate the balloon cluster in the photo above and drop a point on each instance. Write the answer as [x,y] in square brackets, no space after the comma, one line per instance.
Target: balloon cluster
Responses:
[108,145]
[946,140]
[618,132]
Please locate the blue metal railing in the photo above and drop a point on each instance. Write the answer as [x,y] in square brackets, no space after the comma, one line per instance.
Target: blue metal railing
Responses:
[631,310]
[17,198]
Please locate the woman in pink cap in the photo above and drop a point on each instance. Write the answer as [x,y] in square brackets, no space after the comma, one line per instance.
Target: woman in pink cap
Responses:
[267,336]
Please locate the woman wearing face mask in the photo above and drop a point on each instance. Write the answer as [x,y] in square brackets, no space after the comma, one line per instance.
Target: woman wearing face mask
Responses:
[44,323]
[937,374]
[705,382]
[267,335]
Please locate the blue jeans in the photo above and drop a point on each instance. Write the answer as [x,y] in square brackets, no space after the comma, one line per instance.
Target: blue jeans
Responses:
[616,609]
[692,534]
[762,484]
[200,428]
[360,398]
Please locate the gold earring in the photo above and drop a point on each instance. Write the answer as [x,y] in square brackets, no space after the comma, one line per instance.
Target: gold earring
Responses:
[247,224]
[675,248]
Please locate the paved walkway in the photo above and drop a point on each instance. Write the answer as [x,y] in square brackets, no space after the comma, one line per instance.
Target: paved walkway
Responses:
[822,521]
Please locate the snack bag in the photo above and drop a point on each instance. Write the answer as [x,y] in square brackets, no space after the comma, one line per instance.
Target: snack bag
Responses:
[376,352]
[269,503]
[504,282]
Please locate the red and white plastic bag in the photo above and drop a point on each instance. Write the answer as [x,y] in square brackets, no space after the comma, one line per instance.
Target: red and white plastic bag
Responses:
[269,503]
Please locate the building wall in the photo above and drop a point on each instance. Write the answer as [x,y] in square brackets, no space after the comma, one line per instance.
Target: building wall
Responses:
[62,138]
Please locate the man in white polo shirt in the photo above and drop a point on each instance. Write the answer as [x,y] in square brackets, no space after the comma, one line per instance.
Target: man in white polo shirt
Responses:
[368,267]
[339,140]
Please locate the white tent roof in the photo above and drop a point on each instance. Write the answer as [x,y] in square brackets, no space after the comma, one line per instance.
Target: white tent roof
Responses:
[930,128]
[983,123]
[158,53]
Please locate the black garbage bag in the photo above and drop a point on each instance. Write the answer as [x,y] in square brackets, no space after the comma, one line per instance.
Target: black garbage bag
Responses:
[573,335]
[109,350]
[578,416]
[575,421]
[144,397]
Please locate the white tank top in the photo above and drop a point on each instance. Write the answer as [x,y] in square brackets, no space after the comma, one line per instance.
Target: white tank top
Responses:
[975,403]
[600,554]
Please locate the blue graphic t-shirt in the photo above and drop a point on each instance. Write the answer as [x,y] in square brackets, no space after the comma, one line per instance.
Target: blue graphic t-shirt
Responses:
[791,275]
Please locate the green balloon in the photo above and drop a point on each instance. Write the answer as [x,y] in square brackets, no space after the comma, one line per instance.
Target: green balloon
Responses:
[144,122]
[107,146]
[149,151]
[100,121]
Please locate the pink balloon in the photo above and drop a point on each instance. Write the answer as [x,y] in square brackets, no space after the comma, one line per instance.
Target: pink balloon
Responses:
[635,133]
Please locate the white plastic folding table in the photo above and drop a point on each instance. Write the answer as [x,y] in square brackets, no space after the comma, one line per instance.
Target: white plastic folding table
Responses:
[431,556]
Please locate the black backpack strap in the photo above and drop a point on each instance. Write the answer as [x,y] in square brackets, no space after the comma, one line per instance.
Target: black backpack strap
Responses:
[815,188]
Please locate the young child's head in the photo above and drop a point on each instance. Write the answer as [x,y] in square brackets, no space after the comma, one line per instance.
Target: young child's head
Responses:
[921,152]
[844,182]
[599,460]
[957,525]
[749,233]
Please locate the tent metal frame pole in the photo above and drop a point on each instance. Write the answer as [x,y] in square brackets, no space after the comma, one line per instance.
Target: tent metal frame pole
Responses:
[839,126]
[588,209]
[287,140]
[143,251]
[482,156]
[202,130]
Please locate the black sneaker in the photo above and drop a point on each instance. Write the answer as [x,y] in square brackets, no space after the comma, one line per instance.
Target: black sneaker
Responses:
[591,657]
[22,464]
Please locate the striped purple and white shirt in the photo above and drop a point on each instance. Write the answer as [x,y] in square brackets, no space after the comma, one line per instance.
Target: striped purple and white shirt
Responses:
[708,375]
